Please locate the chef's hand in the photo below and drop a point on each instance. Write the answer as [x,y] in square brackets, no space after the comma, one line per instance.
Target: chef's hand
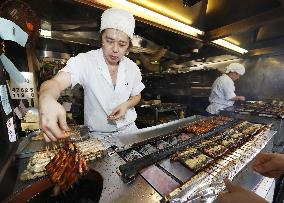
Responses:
[238,194]
[119,112]
[269,164]
[241,98]
[52,119]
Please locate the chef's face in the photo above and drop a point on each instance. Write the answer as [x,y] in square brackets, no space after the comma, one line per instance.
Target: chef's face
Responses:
[235,75]
[115,44]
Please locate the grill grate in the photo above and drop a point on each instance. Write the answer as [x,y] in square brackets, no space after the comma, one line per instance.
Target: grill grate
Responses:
[131,168]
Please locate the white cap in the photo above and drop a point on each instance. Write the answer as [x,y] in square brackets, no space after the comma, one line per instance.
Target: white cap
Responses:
[119,19]
[236,67]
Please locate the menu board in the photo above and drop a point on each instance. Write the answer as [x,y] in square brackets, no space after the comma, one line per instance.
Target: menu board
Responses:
[24,90]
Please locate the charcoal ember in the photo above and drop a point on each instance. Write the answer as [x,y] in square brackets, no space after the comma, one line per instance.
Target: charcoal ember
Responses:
[203,126]
[162,144]
[183,137]
[132,155]
[148,149]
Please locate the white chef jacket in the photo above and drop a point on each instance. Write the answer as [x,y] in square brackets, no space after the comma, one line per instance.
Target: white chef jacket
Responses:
[100,97]
[223,89]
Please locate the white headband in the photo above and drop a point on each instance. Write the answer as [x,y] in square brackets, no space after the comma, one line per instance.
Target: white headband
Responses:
[236,67]
[119,19]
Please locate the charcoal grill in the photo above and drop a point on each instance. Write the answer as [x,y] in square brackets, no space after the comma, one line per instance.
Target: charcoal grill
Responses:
[162,179]
[258,116]
[87,189]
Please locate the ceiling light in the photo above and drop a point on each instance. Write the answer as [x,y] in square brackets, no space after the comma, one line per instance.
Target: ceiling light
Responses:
[45,33]
[163,10]
[152,16]
[155,17]
[229,45]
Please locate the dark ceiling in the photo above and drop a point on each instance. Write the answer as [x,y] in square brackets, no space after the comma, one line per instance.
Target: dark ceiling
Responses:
[252,24]
[257,25]
[224,12]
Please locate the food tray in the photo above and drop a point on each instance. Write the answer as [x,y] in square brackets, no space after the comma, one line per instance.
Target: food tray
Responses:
[28,147]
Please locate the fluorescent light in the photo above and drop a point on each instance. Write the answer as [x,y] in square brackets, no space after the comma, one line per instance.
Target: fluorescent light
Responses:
[45,33]
[153,16]
[229,45]
[163,10]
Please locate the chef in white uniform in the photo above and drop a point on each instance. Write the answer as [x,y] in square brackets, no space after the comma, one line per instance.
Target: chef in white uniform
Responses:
[112,83]
[223,89]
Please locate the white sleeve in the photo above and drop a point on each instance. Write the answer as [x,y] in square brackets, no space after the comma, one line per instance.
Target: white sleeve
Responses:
[229,90]
[74,67]
[138,86]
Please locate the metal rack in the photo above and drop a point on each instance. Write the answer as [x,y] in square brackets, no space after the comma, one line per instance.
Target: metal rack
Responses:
[276,121]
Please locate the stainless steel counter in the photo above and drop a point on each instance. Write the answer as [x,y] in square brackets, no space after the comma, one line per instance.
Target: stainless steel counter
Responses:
[139,190]
[115,190]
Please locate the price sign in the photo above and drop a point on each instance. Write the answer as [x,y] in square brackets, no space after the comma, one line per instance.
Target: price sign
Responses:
[24,90]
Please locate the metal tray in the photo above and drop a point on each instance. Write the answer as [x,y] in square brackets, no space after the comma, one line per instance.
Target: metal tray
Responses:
[28,147]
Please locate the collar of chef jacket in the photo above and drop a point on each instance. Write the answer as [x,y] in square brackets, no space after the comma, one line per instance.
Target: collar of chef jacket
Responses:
[120,81]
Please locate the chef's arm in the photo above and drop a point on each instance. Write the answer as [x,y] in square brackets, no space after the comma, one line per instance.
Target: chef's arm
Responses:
[52,114]
[133,101]
[53,87]
[238,98]
[229,93]
[120,111]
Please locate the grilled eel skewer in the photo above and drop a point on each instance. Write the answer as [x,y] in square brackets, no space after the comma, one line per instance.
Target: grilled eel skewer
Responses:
[66,167]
